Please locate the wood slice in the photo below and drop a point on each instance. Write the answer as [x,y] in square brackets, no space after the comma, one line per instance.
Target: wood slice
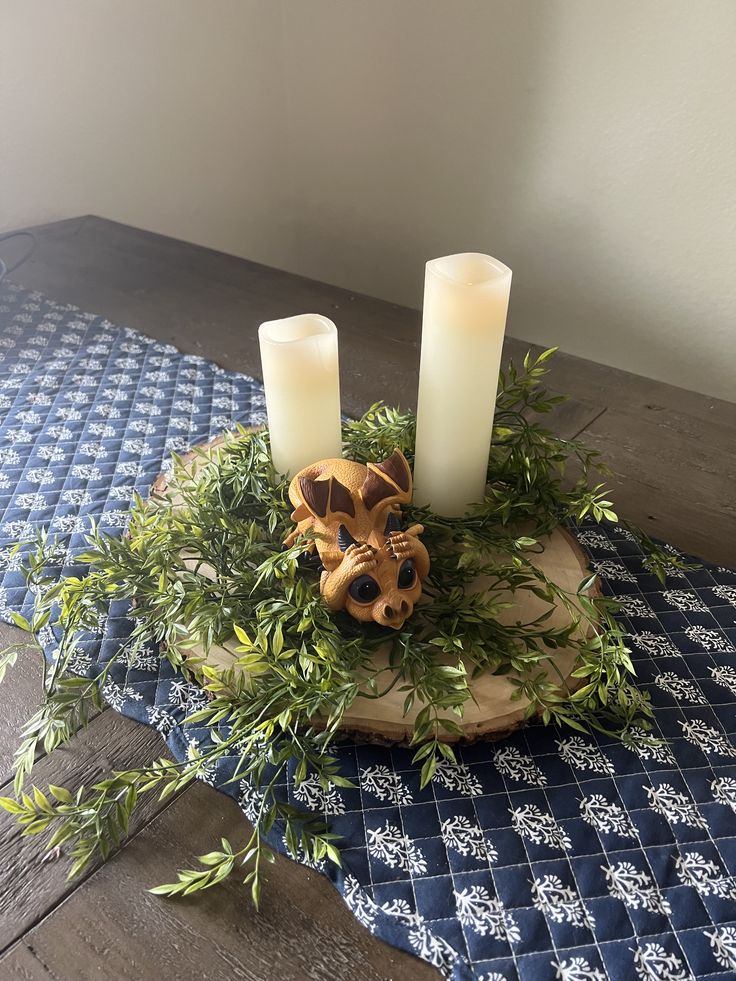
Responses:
[491,712]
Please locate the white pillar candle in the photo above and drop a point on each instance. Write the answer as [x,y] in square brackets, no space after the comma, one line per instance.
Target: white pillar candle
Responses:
[302,381]
[466,297]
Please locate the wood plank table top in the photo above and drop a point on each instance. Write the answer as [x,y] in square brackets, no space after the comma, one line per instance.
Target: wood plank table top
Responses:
[673,457]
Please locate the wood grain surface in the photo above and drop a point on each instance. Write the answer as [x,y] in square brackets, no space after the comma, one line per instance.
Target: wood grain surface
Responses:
[674,460]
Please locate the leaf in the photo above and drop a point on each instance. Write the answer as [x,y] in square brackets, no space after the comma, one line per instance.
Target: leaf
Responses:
[256,892]
[8,659]
[167,889]
[11,806]
[37,826]
[587,583]
[546,355]
[277,641]
[211,858]
[242,636]
[20,621]
[428,771]
[41,801]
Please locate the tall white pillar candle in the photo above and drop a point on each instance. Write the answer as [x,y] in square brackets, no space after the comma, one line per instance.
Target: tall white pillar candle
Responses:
[302,381]
[466,297]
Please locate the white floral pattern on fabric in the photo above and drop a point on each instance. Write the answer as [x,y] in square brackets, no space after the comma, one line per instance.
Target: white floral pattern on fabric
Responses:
[516,765]
[653,963]
[360,903]
[640,742]
[433,948]
[187,696]
[144,659]
[249,800]
[584,755]
[658,645]
[685,600]
[680,688]
[674,806]
[559,902]
[532,823]
[484,913]
[723,945]
[81,661]
[390,846]
[595,539]
[316,798]
[116,695]
[457,776]
[384,784]
[467,839]
[617,571]
[577,969]
[693,869]
[161,720]
[724,675]
[423,941]
[208,772]
[724,791]
[707,738]
[607,816]
[710,640]
[727,593]
[635,888]
[635,606]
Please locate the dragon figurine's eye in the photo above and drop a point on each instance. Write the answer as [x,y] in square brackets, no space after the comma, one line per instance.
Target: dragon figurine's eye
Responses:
[364,589]
[407,575]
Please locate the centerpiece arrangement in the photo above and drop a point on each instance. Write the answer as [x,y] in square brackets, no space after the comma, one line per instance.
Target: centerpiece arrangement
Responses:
[405,578]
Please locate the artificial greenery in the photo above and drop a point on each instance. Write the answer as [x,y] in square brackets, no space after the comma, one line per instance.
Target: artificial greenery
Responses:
[213,566]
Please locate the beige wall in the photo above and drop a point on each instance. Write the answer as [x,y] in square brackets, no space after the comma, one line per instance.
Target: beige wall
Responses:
[167,114]
[590,145]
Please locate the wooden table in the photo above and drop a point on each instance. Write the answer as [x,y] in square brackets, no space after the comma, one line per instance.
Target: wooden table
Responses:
[674,462]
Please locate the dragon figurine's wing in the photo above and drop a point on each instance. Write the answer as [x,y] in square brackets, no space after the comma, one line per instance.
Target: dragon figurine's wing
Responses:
[322,497]
[387,481]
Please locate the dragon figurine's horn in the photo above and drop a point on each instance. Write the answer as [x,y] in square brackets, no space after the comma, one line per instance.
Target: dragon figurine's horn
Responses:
[345,539]
[393,523]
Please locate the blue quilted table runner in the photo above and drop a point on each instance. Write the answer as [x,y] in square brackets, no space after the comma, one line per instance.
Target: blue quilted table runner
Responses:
[550,855]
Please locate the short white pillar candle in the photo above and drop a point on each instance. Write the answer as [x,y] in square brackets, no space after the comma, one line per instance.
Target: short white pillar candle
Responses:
[302,381]
[466,298]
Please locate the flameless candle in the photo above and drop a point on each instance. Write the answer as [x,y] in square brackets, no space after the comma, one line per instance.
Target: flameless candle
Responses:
[465,302]
[302,382]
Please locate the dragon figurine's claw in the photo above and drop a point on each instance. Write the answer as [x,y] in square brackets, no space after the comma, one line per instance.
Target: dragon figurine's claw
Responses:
[398,544]
[361,558]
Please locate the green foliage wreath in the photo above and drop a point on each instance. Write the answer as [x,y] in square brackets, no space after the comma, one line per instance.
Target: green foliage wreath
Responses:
[302,660]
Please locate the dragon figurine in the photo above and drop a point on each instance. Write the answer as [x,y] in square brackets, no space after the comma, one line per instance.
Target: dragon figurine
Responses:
[371,567]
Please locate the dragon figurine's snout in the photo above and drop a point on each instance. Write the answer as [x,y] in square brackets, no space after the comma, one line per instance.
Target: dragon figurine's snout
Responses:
[373,568]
